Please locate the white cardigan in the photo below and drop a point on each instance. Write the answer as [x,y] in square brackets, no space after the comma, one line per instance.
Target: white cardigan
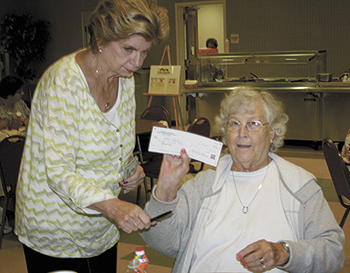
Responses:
[319,247]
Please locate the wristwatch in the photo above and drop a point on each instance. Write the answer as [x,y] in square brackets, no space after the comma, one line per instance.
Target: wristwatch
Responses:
[287,248]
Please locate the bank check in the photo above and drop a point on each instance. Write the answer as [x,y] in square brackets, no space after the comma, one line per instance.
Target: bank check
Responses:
[171,141]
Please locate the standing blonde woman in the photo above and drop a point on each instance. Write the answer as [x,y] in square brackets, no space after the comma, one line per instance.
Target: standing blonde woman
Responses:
[80,138]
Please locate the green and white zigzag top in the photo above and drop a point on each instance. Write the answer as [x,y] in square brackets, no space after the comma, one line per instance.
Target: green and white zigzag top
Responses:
[73,158]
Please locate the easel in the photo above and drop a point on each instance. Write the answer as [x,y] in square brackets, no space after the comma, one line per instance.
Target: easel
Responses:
[176,104]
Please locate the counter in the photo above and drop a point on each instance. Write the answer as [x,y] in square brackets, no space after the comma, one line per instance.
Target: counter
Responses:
[316,110]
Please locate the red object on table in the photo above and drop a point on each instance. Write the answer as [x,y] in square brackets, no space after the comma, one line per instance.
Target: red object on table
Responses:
[208,51]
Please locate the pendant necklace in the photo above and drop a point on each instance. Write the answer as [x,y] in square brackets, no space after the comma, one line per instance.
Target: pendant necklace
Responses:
[108,103]
[245,209]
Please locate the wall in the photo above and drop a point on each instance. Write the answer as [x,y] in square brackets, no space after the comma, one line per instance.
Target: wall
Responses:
[8,7]
[268,25]
[209,28]
[65,16]
[66,26]
[293,25]
[286,25]
[262,26]
[12,6]
[273,25]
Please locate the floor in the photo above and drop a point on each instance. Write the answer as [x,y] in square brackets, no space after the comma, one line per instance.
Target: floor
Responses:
[12,258]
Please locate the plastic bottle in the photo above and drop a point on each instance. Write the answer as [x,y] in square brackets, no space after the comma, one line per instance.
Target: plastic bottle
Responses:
[227,46]
[134,267]
[140,255]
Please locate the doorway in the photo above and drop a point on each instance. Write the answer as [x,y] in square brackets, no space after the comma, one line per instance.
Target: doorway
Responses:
[195,23]
[190,17]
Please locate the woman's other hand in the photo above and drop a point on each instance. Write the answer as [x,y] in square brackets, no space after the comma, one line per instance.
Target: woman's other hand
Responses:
[262,255]
[133,181]
[125,215]
[172,172]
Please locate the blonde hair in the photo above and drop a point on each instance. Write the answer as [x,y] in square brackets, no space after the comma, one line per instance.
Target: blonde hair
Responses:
[114,20]
[243,100]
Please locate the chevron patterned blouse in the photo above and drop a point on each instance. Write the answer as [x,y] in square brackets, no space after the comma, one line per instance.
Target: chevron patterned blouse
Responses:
[73,158]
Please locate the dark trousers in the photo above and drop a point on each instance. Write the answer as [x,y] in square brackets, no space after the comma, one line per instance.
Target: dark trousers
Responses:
[40,263]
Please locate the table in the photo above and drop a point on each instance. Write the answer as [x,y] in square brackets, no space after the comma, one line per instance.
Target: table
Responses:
[6,133]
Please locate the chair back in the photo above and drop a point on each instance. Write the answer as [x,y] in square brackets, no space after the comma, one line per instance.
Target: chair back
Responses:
[200,126]
[11,149]
[157,113]
[339,172]
[340,175]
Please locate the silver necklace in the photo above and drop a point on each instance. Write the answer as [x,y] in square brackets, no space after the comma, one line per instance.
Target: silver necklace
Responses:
[108,103]
[245,209]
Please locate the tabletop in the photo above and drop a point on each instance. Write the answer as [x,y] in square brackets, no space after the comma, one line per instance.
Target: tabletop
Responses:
[6,133]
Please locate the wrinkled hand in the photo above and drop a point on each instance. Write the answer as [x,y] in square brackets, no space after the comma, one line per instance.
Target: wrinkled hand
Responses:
[262,255]
[172,172]
[127,216]
[133,181]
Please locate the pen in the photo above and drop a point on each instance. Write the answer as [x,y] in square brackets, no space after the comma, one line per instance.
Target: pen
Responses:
[161,216]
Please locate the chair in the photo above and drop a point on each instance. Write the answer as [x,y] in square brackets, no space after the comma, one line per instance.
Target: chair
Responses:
[340,175]
[201,127]
[150,162]
[11,149]
[157,113]
[151,169]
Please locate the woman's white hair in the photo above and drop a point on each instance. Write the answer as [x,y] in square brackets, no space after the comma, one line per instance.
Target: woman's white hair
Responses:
[243,100]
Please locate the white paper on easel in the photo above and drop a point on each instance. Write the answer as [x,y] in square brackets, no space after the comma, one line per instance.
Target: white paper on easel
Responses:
[164,79]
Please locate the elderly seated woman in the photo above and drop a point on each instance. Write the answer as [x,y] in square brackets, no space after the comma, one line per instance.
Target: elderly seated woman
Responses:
[256,212]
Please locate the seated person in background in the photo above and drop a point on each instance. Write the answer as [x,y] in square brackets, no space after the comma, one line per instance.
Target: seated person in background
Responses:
[345,153]
[14,112]
[215,66]
[256,212]
[211,43]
